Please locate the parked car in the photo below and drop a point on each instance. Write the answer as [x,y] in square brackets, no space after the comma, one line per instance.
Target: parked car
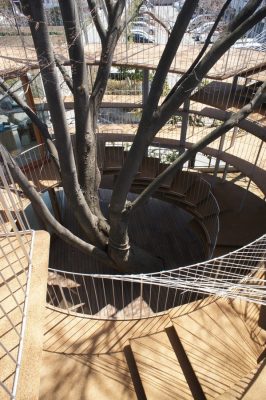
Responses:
[203,36]
[201,30]
[145,18]
[258,42]
[199,20]
[162,2]
[178,4]
[142,25]
[140,36]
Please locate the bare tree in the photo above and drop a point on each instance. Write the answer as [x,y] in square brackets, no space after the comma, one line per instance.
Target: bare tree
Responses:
[108,241]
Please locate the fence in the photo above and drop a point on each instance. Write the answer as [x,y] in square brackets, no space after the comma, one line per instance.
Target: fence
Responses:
[15,271]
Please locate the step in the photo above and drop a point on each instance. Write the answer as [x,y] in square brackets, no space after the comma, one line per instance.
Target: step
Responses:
[209,224]
[250,387]
[207,208]
[149,169]
[168,181]
[200,232]
[108,311]
[86,377]
[113,159]
[137,308]
[182,181]
[219,345]
[198,192]
[159,370]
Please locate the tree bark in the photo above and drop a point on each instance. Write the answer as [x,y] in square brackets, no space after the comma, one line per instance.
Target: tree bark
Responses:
[33,9]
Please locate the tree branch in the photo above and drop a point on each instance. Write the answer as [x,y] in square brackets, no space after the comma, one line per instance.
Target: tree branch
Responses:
[45,215]
[85,144]
[97,20]
[133,13]
[142,138]
[36,120]
[64,73]
[110,6]
[167,57]
[166,110]
[244,13]
[202,51]
[33,9]
[155,18]
[232,121]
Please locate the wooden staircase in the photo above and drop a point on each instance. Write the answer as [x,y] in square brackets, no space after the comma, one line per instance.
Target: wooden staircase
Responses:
[203,350]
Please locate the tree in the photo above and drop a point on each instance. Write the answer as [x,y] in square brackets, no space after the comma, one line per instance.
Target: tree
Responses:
[108,240]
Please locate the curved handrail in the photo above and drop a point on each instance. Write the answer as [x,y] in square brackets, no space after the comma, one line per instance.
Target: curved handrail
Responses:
[239,274]
[42,172]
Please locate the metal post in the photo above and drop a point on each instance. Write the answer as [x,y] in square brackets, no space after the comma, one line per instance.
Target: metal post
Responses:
[184,126]
[221,145]
[250,179]
[145,86]
[235,131]
[55,205]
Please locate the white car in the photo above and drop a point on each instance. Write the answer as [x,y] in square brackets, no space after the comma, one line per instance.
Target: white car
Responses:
[140,36]
[258,42]
[203,36]
[200,20]
[142,25]
[204,28]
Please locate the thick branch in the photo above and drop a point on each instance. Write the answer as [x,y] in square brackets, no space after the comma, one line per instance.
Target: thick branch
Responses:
[166,110]
[232,121]
[64,73]
[97,20]
[167,57]
[108,47]
[85,140]
[33,9]
[159,21]
[243,14]
[142,138]
[135,6]
[36,120]
[110,6]
[202,51]
[45,215]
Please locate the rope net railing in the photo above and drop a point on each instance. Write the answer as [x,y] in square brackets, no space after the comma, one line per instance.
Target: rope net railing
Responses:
[237,275]
[16,240]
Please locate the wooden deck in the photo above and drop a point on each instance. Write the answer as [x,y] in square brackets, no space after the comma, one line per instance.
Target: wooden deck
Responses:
[92,359]
[17,59]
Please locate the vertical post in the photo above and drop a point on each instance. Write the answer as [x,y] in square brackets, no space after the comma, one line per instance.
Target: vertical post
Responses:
[145,86]
[221,145]
[226,168]
[251,176]
[235,131]
[54,203]
[184,126]
[30,101]
[234,83]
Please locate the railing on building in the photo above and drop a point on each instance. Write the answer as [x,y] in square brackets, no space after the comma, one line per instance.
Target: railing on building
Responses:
[240,274]
[16,240]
